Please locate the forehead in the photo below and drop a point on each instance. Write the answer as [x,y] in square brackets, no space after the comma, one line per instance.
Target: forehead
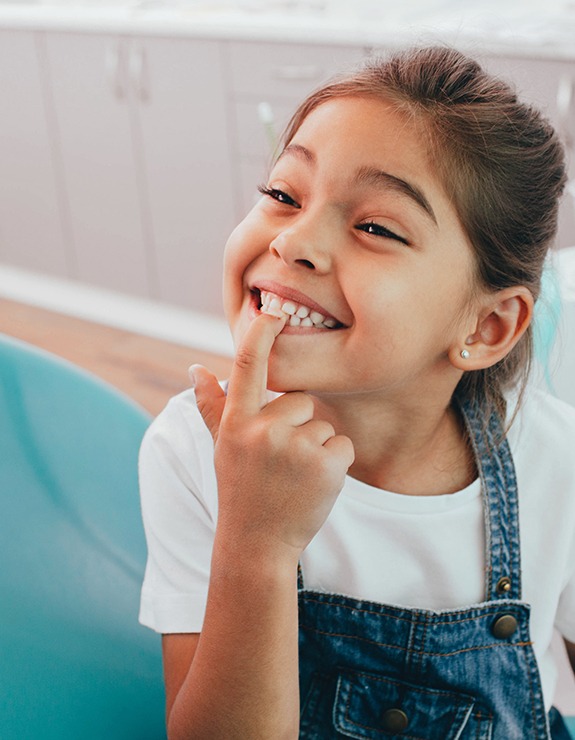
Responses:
[365,128]
[355,140]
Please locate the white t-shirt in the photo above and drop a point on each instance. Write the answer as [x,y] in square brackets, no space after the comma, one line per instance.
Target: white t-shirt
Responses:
[415,551]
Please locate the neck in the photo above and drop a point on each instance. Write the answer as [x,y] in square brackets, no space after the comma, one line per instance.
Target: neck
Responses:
[405,447]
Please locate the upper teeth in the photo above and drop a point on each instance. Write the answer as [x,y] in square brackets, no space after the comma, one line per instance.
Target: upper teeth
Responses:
[299,315]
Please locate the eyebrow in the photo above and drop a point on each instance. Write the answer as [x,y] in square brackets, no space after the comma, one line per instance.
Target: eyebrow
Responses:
[375,177]
[299,151]
[380,178]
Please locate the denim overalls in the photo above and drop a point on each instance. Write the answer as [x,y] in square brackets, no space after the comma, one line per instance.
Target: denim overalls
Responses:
[368,670]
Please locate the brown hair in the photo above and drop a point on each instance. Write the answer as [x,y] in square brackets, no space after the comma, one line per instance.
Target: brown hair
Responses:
[499,160]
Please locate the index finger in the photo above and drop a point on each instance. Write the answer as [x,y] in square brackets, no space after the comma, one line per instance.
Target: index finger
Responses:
[248,379]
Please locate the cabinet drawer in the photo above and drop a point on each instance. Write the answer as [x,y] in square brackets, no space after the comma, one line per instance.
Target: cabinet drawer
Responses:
[285,70]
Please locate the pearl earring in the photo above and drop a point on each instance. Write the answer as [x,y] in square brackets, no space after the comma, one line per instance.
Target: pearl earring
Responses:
[465,354]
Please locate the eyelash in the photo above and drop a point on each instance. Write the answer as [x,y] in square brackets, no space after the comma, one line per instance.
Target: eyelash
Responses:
[369,228]
[378,230]
[278,195]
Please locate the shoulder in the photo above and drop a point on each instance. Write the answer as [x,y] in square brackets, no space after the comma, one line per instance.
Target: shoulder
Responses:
[542,418]
[179,416]
[542,441]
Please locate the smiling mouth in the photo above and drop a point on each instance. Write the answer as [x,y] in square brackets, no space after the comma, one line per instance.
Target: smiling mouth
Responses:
[297,314]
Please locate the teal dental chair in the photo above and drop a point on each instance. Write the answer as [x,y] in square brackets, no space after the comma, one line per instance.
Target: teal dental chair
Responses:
[74,662]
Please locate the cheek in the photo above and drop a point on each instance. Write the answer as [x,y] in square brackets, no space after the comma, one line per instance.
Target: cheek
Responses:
[237,256]
[245,243]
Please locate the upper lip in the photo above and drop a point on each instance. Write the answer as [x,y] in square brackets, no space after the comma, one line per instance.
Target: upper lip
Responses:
[291,294]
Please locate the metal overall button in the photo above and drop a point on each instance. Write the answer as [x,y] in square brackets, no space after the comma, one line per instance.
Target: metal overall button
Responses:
[503,585]
[394,720]
[504,626]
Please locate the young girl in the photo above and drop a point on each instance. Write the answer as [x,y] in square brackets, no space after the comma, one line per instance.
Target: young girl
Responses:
[383,546]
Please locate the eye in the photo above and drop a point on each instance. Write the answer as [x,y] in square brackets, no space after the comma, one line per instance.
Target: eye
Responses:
[378,230]
[278,195]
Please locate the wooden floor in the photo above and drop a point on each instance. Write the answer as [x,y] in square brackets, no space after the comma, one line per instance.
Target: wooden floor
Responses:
[147,369]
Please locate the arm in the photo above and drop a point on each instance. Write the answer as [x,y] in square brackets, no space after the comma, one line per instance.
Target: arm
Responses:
[239,678]
[279,472]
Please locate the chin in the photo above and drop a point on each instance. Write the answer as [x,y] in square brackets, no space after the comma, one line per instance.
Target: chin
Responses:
[282,380]
[280,385]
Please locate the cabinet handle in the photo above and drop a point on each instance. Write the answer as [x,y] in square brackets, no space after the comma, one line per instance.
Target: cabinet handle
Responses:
[296,72]
[139,72]
[114,69]
[565,108]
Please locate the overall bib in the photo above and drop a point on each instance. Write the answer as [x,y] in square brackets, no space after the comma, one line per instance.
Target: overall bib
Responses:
[370,670]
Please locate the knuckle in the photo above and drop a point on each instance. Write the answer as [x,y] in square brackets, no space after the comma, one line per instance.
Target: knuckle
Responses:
[307,402]
[264,434]
[245,358]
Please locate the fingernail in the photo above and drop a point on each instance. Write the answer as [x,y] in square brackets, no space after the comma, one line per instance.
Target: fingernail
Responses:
[192,375]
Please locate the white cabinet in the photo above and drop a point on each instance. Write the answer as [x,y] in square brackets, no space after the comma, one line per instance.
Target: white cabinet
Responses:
[550,85]
[91,101]
[144,145]
[32,226]
[267,81]
[184,140]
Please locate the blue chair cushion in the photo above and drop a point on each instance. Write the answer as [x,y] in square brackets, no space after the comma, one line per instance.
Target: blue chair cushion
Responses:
[75,662]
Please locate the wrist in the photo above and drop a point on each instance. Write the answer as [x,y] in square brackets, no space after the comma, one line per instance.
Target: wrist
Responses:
[253,554]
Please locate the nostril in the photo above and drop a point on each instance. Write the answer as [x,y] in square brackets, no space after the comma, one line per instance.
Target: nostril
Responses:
[306,263]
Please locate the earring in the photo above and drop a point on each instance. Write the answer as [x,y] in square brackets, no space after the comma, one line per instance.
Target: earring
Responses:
[465,354]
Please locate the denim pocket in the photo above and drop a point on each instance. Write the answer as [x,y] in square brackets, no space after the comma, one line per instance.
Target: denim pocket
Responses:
[371,706]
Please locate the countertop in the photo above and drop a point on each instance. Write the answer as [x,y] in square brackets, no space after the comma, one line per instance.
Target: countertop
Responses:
[513,28]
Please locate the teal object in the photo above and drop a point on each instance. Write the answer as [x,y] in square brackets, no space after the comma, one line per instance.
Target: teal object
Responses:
[547,315]
[570,722]
[74,662]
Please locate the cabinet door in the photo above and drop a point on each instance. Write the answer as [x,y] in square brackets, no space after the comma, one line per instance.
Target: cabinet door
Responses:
[31,227]
[268,81]
[89,83]
[185,144]
[550,85]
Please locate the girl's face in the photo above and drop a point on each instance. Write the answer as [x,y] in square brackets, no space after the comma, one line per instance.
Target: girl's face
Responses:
[355,232]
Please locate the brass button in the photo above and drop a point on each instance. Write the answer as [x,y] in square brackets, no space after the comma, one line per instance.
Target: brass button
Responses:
[504,626]
[503,585]
[394,720]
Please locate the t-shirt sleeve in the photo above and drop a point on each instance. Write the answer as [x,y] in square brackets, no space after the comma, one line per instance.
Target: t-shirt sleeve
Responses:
[565,617]
[564,491]
[179,509]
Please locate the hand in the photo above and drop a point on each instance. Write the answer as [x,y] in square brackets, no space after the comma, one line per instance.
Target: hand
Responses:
[279,470]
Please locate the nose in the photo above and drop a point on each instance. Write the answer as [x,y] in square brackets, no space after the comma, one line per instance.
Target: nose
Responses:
[306,244]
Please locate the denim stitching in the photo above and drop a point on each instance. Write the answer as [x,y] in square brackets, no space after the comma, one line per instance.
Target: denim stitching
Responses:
[420,689]
[417,652]
[498,501]
[423,640]
[469,419]
[372,677]
[451,619]
[532,695]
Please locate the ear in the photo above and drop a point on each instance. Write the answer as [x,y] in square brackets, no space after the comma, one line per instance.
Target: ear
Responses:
[500,323]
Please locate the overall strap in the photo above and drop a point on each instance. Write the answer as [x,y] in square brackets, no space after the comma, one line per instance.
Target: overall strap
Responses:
[500,501]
